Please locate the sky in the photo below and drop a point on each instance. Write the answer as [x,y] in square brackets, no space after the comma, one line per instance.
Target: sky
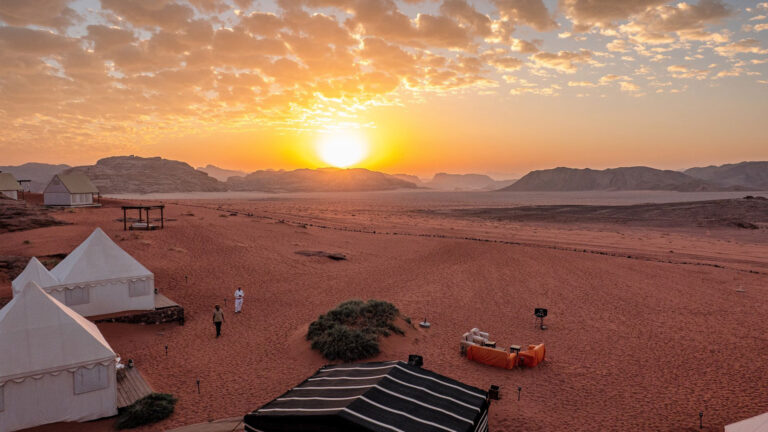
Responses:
[492,86]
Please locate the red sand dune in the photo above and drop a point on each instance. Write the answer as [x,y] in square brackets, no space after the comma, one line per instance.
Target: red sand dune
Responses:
[632,344]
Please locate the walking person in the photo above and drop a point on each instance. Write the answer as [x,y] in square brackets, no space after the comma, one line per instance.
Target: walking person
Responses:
[218,318]
[239,300]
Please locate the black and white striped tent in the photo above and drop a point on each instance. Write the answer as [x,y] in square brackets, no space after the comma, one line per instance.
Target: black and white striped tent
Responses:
[381,397]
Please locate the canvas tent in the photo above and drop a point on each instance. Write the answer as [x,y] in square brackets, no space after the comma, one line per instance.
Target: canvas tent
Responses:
[71,190]
[34,272]
[96,278]
[54,364]
[378,396]
[754,424]
[9,187]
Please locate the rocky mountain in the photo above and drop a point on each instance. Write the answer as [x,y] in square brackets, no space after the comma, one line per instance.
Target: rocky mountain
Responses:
[409,178]
[318,180]
[39,174]
[748,174]
[628,178]
[133,174]
[220,174]
[444,181]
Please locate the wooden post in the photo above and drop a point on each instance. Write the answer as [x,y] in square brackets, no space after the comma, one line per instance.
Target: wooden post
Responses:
[125,220]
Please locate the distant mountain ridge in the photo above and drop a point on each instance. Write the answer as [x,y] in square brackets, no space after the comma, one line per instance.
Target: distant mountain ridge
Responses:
[626,178]
[468,182]
[221,174]
[39,173]
[318,180]
[133,174]
[747,174]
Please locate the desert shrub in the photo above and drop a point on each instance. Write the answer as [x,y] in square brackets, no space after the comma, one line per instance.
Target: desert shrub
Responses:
[351,331]
[149,409]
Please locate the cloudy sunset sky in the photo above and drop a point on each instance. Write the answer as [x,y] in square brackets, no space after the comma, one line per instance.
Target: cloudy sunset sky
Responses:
[497,86]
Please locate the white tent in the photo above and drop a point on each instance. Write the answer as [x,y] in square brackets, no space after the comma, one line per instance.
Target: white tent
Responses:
[34,272]
[754,424]
[97,278]
[54,364]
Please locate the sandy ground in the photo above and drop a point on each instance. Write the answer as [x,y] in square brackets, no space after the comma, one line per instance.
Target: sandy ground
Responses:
[647,327]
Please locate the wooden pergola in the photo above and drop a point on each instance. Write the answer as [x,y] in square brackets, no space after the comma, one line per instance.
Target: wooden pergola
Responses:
[143,223]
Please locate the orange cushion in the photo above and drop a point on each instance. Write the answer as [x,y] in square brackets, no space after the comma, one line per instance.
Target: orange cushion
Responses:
[533,356]
[489,356]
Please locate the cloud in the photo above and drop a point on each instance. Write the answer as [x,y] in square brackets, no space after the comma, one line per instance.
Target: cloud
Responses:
[586,14]
[629,87]
[530,12]
[151,13]
[46,13]
[464,13]
[684,72]
[687,21]
[748,46]
[563,61]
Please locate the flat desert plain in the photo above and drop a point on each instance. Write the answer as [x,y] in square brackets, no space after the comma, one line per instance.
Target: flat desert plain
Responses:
[649,322]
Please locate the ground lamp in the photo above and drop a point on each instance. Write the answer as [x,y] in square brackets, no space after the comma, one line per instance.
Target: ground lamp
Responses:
[519,390]
[425,323]
[166,350]
[198,386]
[540,313]
[701,419]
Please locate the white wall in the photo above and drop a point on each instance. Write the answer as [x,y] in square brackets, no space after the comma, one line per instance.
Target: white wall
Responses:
[109,298]
[57,198]
[10,194]
[52,398]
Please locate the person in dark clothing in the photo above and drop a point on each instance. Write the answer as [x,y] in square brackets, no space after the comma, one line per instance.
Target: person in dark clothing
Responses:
[218,318]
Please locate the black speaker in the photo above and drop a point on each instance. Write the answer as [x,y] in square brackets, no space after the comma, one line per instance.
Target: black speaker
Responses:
[416,360]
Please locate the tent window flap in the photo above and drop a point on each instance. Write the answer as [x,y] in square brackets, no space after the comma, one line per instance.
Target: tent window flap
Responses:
[76,296]
[138,288]
[88,380]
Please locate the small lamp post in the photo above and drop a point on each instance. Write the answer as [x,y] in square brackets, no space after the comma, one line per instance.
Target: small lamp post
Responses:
[519,390]
[166,350]
[198,386]
[701,419]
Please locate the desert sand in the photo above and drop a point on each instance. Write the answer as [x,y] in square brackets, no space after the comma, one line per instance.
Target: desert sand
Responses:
[647,325]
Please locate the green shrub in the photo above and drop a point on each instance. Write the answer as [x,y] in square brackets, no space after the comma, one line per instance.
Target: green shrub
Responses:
[351,331]
[149,409]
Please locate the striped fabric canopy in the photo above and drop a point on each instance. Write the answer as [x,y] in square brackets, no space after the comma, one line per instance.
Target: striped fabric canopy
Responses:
[382,397]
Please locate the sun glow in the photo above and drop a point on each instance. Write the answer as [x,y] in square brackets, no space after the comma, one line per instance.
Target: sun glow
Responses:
[342,148]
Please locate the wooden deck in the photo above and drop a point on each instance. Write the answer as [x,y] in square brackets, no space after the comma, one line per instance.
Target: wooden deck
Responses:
[162,302]
[131,387]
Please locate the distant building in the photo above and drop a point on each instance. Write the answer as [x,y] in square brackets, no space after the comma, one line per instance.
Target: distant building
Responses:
[9,187]
[71,190]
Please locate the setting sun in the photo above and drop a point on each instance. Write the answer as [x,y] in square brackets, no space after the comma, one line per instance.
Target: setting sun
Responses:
[342,148]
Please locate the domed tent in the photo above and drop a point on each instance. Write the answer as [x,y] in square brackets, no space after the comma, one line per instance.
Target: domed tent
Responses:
[34,272]
[753,424]
[378,396]
[54,364]
[97,278]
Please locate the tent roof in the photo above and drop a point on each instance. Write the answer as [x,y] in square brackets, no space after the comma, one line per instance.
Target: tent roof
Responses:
[41,335]
[388,396]
[753,424]
[34,272]
[77,182]
[97,258]
[8,182]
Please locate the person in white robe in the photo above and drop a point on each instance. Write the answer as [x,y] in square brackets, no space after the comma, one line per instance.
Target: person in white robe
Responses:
[239,300]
